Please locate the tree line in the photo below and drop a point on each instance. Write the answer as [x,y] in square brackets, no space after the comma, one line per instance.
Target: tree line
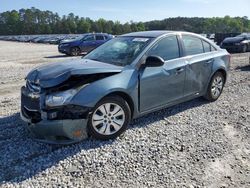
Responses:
[35,21]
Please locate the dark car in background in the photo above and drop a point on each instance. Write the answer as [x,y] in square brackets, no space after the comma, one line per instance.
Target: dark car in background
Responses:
[83,44]
[240,43]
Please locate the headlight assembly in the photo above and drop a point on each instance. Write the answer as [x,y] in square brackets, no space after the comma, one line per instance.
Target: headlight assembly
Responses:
[60,98]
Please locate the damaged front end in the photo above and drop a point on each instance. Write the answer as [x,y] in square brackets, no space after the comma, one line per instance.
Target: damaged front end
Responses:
[56,121]
[46,105]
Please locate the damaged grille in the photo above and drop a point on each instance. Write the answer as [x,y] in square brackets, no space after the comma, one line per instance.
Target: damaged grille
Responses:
[33,87]
[68,112]
[30,105]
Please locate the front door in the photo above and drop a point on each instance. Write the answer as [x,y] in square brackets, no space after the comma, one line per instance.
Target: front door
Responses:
[160,86]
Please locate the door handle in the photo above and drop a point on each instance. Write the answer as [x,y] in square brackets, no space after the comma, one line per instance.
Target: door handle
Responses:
[179,70]
[210,61]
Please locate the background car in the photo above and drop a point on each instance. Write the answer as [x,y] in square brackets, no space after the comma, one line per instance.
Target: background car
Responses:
[240,43]
[83,44]
[125,78]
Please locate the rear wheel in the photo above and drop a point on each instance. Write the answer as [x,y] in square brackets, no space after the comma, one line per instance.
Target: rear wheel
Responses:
[75,51]
[215,87]
[110,118]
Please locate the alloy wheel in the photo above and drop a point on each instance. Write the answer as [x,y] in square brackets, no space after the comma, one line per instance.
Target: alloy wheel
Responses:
[217,86]
[74,51]
[108,118]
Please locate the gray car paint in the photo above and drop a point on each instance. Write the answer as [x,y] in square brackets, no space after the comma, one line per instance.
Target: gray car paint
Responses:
[128,84]
[150,88]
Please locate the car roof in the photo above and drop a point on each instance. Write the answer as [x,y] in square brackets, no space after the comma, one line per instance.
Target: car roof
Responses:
[152,34]
[97,34]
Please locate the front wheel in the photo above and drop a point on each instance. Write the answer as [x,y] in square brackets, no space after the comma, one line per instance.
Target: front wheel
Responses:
[109,119]
[75,51]
[215,87]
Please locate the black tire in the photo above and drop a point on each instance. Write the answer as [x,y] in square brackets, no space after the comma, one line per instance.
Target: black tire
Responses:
[93,130]
[210,96]
[244,48]
[75,51]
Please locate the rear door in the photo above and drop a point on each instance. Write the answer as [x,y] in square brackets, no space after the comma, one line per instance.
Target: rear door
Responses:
[100,39]
[199,64]
[162,85]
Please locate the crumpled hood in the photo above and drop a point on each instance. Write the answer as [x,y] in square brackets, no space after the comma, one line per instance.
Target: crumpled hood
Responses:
[233,39]
[54,74]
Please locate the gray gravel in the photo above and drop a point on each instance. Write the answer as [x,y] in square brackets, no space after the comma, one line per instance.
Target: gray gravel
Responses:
[194,144]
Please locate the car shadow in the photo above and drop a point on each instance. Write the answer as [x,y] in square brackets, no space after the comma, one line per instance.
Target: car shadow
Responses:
[244,68]
[167,112]
[22,157]
[63,56]
[56,56]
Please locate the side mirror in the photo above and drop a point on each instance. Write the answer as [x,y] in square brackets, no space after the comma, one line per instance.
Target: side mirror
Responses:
[154,61]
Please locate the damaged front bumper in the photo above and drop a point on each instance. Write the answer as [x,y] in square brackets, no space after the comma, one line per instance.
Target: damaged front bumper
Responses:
[59,125]
[58,131]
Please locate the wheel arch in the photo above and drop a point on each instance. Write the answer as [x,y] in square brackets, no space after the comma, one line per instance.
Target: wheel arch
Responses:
[126,97]
[223,71]
[220,69]
[75,47]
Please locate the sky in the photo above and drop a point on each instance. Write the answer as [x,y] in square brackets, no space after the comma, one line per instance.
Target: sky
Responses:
[136,10]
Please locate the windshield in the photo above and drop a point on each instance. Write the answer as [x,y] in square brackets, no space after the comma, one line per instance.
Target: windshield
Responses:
[119,51]
[77,37]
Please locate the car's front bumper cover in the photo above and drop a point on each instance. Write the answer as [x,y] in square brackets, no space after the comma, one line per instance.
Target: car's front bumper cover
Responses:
[61,125]
[63,49]
[58,131]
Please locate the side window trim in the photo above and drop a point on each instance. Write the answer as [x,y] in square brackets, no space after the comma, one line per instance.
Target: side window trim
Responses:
[181,47]
[203,46]
[210,48]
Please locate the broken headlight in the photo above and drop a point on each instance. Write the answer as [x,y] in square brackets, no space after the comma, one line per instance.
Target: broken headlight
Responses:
[60,98]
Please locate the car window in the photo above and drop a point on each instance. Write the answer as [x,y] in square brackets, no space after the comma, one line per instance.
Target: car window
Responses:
[213,49]
[166,48]
[206,46]
[89,38]
[99,37]
[119,51]
[192,45]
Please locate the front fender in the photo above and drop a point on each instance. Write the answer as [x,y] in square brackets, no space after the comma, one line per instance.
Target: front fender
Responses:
[126,82]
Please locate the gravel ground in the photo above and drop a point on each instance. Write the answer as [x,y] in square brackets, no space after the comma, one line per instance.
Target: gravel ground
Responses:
[194,144]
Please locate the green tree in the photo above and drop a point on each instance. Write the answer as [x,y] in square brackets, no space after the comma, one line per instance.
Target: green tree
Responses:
[35,21]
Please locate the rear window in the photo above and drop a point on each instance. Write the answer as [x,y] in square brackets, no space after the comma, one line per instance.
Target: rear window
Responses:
[213,49]
[192,45]
[99,37]
[206,46]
